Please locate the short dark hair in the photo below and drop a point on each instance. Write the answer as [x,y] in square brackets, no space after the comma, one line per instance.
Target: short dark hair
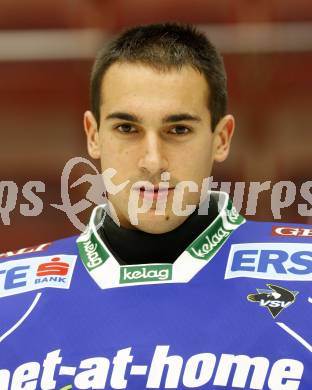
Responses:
[164,46]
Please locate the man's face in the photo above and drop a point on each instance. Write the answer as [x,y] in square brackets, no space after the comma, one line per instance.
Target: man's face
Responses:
[154,122]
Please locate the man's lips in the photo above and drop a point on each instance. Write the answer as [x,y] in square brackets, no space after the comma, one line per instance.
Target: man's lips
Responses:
[157,193]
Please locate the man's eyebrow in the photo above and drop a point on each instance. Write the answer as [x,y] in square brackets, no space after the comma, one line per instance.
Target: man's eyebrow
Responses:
[181,117]
[168,119]
[123,116]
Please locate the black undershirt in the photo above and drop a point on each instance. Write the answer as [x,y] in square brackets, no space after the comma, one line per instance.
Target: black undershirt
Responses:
[137,247]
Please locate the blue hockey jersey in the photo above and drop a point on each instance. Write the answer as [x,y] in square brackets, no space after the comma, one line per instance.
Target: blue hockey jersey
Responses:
[234,311]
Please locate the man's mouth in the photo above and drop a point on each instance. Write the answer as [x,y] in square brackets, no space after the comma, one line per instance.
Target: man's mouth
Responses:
[157,193]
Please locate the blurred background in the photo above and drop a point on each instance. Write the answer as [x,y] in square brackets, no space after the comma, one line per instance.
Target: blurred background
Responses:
[46,53]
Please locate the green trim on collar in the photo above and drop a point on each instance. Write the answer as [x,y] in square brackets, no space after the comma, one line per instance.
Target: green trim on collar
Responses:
[108,273]
[92,253]
[211,239]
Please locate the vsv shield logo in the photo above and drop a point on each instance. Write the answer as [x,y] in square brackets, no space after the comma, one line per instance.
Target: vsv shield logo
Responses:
[275,299]
[270,261]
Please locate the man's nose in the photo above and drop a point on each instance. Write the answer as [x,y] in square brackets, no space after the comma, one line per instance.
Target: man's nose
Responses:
[152,156]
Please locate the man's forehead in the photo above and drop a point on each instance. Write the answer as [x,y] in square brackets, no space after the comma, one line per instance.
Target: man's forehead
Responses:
[134,85]
[157,70]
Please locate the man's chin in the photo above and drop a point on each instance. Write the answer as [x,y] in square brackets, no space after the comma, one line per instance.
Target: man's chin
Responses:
[158,224]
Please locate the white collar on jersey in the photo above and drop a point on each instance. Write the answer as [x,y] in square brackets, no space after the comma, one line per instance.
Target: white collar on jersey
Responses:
[108,273]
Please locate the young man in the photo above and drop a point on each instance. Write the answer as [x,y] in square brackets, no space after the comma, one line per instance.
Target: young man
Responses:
[169,287]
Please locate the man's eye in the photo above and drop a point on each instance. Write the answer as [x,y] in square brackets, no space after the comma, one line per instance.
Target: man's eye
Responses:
[126,128]
[180,130]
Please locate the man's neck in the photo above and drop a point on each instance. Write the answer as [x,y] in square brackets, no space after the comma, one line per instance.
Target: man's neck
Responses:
[137,247]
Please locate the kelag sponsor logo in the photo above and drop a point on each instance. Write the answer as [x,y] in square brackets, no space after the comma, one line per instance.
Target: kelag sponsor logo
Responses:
[145,273]
[270,261]
[209,243]
[288,231]
[162,370]
[211,240]
[18,276]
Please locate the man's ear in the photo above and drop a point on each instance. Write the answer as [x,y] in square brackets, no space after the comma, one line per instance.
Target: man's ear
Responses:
[92,133]
[222,137]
